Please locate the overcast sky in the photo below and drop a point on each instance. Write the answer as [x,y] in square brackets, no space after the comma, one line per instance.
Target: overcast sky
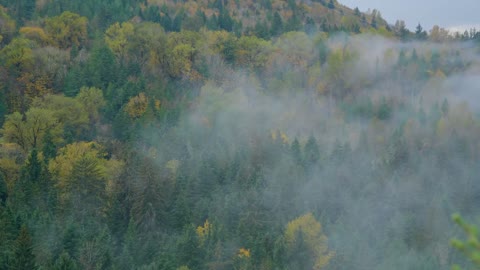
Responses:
[445,13]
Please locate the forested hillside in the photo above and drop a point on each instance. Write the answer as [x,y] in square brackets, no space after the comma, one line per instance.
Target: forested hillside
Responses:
[221,134]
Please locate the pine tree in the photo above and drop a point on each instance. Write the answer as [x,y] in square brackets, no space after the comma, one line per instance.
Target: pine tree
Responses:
[33,167]
[296,151]
[65,262]
[277,25]
[312,153]
[420,34]
[3,190]
[357,11]
[374,22]
[310,26]
[331,4]
[49,150]
[177,23]
[189,251]
[23,257]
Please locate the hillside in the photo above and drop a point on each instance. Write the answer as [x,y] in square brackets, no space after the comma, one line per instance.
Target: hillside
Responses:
[239,16]
[233,135]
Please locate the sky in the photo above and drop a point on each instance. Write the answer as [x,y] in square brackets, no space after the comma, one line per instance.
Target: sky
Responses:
[445,13]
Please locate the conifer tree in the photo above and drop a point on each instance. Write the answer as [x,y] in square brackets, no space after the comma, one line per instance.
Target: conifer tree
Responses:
[277,24]
[23,257]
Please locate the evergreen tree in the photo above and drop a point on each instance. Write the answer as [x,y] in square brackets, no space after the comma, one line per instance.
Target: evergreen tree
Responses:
[357,11]
[277,25]
[33,167]
[293,23]
[261,30]
[310,26]
[23,257]
[225,22]
[166,22]
[189,251]
[212,22]
[3,190]
[65,262]
[177,23]
[24,10]
[374,22]
[312,153]
[102,68]
[49,149]
[296,151]
[331,4]
[420,34]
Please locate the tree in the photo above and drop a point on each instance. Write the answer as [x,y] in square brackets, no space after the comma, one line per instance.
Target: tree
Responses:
[3,190]
[312,153]
[331,4]
[24,10]
[148,46]
[65,262]
[306,244]
[438,34]
[189,251]
[401,30]
[17,55]
[23,257]
[296,152]
[117,38]
[29,133]
[67,29]
[470,247]
[252,52]
[71,116]
[137,106]
[7,27]
[101,70]
[357,12]
[33,167]
[80,171]
[92,100]
[420,34]
[277,25]
[225,22]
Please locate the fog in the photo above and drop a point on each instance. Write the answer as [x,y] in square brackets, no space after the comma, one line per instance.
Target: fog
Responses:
[385,183]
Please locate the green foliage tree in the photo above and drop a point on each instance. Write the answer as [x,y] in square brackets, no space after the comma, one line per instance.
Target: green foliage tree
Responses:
[7,29]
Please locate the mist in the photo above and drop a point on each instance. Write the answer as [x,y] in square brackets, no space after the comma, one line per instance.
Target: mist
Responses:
[393,164]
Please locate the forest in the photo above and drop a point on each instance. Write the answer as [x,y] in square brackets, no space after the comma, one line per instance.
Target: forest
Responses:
[227,134]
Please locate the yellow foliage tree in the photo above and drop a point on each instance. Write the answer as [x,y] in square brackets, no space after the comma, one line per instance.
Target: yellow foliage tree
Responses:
[28,132]
[204,231]
[137,105]
[67,29]
[92,100]
[305,232]
[36,34]
[118,36]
